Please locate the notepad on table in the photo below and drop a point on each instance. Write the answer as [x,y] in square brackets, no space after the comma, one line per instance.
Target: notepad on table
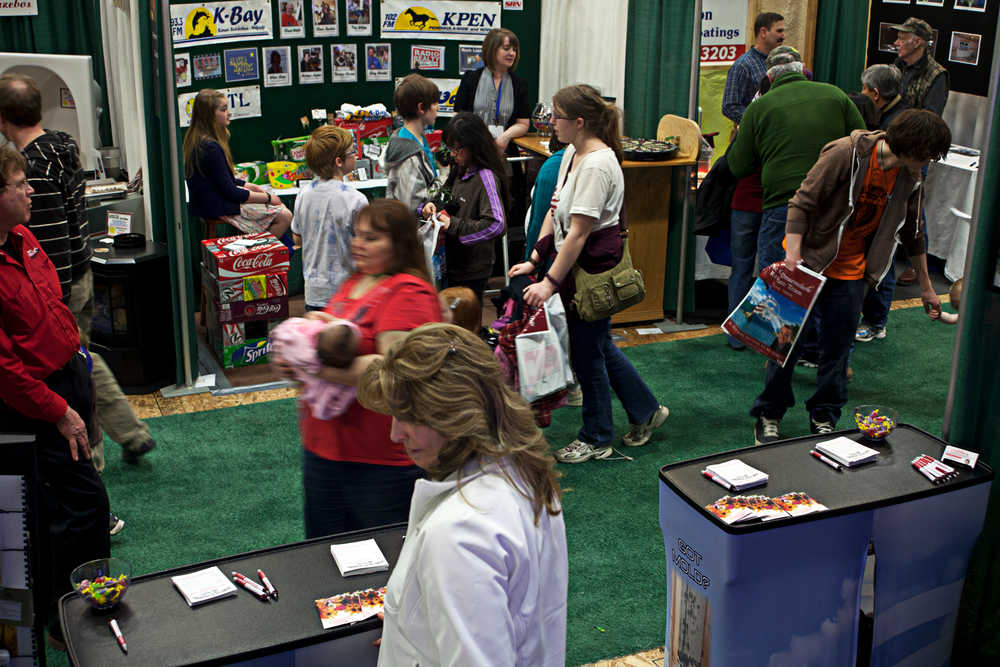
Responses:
[846,451]
[361,557]
[203,586]
[738,475]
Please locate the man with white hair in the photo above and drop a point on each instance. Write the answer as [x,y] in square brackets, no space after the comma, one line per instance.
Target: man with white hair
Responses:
[782,133]
[925,82]
[881,84]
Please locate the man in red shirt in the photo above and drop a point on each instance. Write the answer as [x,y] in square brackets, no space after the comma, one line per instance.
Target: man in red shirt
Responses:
[45,390]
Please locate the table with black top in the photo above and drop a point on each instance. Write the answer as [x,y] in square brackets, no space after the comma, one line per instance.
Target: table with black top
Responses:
[787,592]
[161,629]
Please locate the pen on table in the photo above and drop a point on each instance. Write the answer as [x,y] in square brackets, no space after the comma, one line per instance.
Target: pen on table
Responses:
[718,480]
[250,585]
[113,624]
[827,460]
[271,590]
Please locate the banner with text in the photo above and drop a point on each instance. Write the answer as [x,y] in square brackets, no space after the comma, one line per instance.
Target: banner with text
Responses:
[244,102]
[445,19]
[723,31]
[219,22]
[18,7]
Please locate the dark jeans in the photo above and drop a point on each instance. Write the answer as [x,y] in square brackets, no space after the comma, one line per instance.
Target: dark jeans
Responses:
[341,496]
[839,305]
[600,367]
[74,503]
[875,310]
[744,229]
[772,233]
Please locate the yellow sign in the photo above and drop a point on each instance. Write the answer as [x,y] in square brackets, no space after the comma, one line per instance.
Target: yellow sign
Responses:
[199,24]
[417,18]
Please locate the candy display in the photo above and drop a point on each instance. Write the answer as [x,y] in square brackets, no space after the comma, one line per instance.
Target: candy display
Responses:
[102,582]
[875,421]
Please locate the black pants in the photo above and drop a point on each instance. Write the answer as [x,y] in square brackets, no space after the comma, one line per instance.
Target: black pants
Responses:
[74,504]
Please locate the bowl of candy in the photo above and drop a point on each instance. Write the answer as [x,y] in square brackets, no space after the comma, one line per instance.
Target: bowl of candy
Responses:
[102,582]
[875,421]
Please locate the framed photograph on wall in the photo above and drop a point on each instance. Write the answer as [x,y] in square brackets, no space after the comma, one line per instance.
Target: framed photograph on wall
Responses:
[310,64]
[292,19]
[970,5]
[182,69]
[931,3]
[325,23]
[345,62]
[469,57]
[241,64]
[964,48]
[277,66]
[886,37]
[207,66]
[359,17]
[378,62]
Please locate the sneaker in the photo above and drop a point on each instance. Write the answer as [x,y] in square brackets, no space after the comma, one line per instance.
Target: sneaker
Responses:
[578,452]
[806,363]
[867,332]
[132,456]
[641,433]
[574,396]
[765,431]
[115,524]
[820,428]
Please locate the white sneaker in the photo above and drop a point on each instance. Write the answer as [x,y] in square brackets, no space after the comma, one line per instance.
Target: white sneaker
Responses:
[641,433]
[579,451]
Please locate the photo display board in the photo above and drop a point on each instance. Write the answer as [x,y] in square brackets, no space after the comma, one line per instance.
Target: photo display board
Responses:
[965,32]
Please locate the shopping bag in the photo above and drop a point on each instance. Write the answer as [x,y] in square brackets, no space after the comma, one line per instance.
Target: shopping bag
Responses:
[428,231]
[540,365]
[555,313]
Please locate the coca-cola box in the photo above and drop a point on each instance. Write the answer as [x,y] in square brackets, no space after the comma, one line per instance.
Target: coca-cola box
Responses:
[247,288]
[245,311]
[246,255]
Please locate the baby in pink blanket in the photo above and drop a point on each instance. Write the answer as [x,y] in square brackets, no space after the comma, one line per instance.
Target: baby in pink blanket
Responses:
[307,345]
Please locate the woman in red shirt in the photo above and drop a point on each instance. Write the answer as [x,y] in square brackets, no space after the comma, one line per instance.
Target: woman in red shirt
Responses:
[354,476]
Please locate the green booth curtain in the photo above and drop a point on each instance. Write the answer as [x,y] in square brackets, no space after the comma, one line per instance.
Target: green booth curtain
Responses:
[840,53]
[657,82]
[67,27]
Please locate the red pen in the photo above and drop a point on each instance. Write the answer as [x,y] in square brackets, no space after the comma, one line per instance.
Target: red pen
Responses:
[113,624]
[718,480]
[271,590]
[250,585]
[826,459]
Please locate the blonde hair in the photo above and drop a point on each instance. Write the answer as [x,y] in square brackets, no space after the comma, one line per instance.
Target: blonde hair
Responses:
[599,117]
[444,377]
[204,127]
[325,145]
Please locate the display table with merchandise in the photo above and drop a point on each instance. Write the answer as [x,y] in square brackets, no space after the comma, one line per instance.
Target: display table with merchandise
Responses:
[647,207]
[160,628]
[788,591]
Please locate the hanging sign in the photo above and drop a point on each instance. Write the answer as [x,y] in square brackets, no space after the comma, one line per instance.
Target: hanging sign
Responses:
[438,20]
[723,31]
[427,57]
[244,102]
[448,89]
[18,7]
[218,22]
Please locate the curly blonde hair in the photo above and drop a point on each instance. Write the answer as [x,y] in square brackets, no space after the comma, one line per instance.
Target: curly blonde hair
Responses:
[445,377]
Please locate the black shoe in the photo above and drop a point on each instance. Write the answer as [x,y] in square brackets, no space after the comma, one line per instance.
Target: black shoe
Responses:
[132,455]
[820,428]
[765,431]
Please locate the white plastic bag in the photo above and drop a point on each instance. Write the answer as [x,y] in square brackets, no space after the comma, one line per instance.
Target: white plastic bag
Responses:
[541,358]
[428,232]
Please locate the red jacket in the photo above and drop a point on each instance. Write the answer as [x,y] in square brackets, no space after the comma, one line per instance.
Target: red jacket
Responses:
[38,334]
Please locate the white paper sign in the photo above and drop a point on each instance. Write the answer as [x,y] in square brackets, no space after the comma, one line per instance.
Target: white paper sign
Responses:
[220,22]
[119,223]
[427,57]
[723,39]
[18,7]
[244,102]
[445,19]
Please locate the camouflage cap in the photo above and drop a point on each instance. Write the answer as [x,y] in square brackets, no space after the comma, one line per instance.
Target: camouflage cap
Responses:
[918,27]
[782,55]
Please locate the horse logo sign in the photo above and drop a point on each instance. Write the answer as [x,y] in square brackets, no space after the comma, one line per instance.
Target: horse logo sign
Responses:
[445,19]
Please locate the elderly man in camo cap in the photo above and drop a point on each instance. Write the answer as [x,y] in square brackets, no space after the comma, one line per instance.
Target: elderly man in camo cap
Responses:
[925,82]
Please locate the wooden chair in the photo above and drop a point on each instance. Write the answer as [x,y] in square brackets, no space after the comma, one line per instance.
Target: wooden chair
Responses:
[687,132]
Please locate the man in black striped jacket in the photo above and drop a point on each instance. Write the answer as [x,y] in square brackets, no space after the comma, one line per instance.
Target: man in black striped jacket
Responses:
[59,222]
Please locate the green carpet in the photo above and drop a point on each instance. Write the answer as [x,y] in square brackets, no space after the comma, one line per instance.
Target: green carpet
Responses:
[228,481]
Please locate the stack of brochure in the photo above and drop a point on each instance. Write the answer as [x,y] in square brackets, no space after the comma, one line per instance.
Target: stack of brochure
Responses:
[847,452]
[735,475]
[203,586]
[361,557]
[741,509]
[349,608]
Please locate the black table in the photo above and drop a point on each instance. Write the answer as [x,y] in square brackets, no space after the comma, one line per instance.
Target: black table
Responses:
[788,591]
[161,629]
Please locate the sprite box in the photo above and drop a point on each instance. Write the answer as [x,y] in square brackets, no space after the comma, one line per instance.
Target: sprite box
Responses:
[252,172]
[290,149]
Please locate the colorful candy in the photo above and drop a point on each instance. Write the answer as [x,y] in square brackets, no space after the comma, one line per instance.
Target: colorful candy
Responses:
[103,591]
[873,424]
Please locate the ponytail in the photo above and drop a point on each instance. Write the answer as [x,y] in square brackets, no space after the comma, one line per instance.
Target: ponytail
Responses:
[601,118]
[609,131]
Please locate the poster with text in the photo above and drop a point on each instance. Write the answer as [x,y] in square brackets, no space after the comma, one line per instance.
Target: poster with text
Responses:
[723,37]
[325,22]
[278,63]
[359,17]
[241,65]
[426,57]
[293,23]
[220,21]
[207,66]
[378,62]
[244,102]
[182,69]
[447,89]
[444,19]
[18,7]
[311,64]
[470,56]
[345,62]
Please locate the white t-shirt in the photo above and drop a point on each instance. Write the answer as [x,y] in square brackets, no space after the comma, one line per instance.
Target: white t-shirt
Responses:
[596,188]
[324,214]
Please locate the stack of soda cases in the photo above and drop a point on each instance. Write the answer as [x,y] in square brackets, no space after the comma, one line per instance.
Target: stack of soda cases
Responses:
[245,279]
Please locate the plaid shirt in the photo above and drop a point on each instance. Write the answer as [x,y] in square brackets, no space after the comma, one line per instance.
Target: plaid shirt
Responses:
[742,83]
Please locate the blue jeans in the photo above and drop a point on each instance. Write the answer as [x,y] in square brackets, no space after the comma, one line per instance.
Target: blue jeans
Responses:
[600,367]
[875,311]
[340,496]
[772,233]
[839,305]
[744,228]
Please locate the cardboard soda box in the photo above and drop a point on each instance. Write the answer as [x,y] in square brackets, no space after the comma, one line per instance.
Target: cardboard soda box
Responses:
[247,255]
[242,343]
[365,129]
[247,288]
